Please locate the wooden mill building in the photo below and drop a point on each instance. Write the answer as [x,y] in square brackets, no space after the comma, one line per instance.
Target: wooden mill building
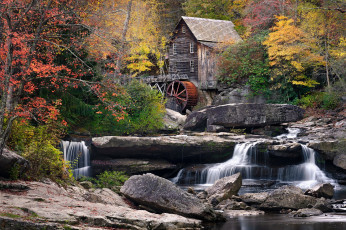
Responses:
[192,48]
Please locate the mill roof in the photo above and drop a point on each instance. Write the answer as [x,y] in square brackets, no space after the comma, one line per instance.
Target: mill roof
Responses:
[211,30]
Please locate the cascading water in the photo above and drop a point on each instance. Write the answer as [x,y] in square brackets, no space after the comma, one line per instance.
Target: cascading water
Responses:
[77,153]
[292,133]
[241,161]
[255,165]
[306,174]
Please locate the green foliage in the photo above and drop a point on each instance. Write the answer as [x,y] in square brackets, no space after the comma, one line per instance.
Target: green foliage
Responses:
[245,63]
[37,145]
[10,215]
[143,106]
[320,100]
[146,108]
[15,172]
[110,179]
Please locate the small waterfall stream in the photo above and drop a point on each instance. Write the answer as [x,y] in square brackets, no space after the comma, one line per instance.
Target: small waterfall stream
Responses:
[77,153]
[255,165]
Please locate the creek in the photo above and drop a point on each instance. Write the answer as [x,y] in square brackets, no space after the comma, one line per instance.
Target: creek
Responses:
[257,171]
[259,174]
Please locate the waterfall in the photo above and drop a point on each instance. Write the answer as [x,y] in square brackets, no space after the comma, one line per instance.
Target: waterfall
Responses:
[253,164]
[240,161]
[77,154]
[306,174]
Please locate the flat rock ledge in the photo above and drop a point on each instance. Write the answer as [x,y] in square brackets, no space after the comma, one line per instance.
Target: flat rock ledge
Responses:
[175,149]
[49,206]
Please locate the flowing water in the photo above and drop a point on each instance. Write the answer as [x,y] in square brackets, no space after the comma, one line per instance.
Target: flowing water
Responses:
[255,166]
[77,153]
[257,171]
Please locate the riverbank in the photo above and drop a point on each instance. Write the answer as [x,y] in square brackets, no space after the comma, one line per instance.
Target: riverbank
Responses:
[46,205]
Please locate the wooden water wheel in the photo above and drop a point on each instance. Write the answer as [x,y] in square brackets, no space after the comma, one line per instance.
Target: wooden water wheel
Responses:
[181,95]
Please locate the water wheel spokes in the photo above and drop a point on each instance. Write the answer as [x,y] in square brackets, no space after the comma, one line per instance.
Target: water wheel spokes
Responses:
[184,94]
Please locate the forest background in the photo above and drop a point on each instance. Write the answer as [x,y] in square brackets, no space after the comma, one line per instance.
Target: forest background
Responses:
[62,63]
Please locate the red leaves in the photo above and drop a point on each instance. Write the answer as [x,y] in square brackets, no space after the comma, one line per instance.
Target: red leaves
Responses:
[260,14]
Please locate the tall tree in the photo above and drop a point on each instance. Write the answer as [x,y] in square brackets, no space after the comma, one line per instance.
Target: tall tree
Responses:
[34,38]
[291,53]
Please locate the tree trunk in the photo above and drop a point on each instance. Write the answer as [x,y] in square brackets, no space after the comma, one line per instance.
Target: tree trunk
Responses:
[5,93]
[123,38]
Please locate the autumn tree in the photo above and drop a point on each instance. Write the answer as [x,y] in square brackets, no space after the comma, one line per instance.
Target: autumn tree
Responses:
[291,54]
[34,36]
[323,21]
[260,14]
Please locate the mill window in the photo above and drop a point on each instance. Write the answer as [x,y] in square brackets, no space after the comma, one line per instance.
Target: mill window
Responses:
[183,30]
[192,66]
[174,48]
[192,50]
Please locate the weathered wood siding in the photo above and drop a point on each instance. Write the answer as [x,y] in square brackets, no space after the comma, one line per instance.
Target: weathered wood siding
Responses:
[179,63]
[207,67]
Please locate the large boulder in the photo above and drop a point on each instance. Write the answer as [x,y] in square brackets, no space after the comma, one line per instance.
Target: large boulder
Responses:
[288,197]
[254,198]
[11,161]
[243,115]
[173,120]
[224,188]
[162,195]
[325,190]
[340,161]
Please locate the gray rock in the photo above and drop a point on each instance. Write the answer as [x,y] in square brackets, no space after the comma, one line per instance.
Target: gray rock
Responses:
[204,148]
[232,205]
[323,205]
[254,198]
[132,166]
[163,196]
[288,197]
[306,212]
[86,184]
[340,161]
[224,188]
[328,149]
[243,115]
[321,190]
[9,160]
[49,206]
[173,120]
[288,150]
[237,95]
[216,128]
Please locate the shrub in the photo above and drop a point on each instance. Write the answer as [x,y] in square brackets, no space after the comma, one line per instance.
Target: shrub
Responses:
[110,179]
[320,100]
[37,145]
[245,62]
[330,101]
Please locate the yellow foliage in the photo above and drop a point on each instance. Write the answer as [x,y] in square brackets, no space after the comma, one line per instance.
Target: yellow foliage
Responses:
[290,52]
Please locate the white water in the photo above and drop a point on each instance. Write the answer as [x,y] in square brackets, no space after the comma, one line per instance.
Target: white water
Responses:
[306,174]
[240,159]
[254,165]
[77,154]
[292,134]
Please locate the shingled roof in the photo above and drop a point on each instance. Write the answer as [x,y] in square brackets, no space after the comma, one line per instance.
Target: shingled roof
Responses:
[211,30]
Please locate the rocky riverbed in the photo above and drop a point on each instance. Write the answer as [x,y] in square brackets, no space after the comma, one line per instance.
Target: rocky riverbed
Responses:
[149,202]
